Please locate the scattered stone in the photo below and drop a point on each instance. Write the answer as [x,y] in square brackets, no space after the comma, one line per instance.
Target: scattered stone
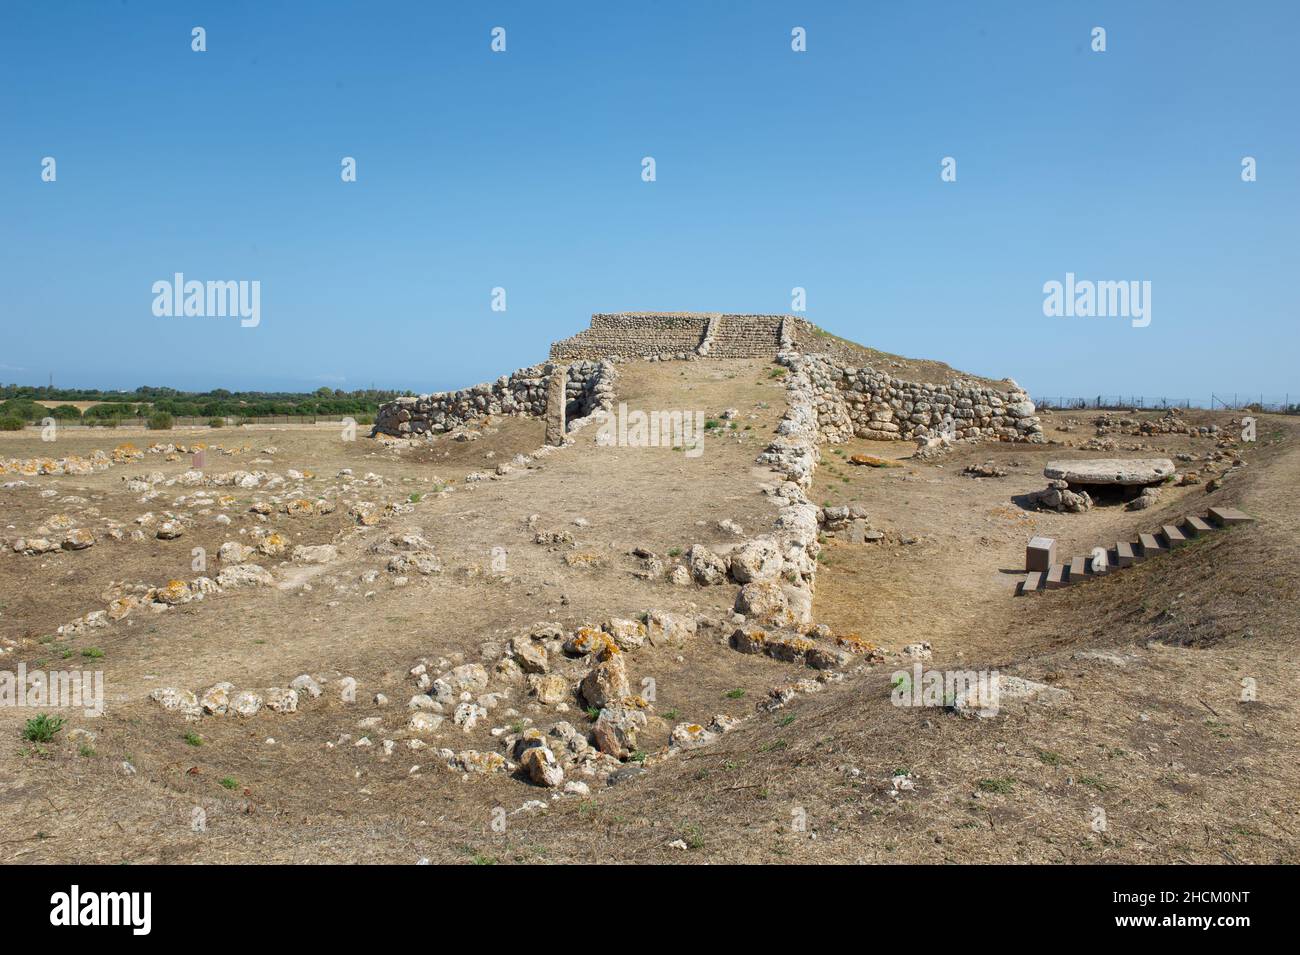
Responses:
[706,567]
[617,728]
[305,685]
[606,683]
[315,554]
[985,470]
[542,768]
[529,654]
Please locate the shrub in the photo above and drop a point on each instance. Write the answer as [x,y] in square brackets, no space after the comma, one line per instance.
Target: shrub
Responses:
[216,422]
[65,413]
[10,423]
[24,409]
[160,422]
[41,728]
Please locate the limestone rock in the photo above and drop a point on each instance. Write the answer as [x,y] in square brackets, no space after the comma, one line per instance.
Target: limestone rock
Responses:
[707,568]
[617,728]
[529,654]
[246,704]
[424,723]
[315,554]
[691,736]
[765,602]
[171,698]
[549,689]
[216,699]
[78,539]
[1111,471]
[759,559]
[542,768]
[627,634]
[282,700]
[606,682]
[305,685]
[240,575]
[669,629]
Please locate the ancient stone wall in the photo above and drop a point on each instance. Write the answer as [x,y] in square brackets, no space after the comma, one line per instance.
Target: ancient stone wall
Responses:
[681,336]
[865,403]
[634,335]
[589,386]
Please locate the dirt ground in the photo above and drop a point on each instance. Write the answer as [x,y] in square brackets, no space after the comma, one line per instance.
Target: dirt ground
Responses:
[1153,733]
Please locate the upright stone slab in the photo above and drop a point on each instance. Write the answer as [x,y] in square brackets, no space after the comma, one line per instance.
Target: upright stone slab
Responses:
[1040,554]
[556,396]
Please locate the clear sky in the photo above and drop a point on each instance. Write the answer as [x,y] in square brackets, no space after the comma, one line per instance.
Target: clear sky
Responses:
[522,170]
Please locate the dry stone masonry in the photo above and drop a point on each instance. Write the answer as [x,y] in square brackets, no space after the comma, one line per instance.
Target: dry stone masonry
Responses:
[589,387]
[681,336]
[846,401]
[861,402]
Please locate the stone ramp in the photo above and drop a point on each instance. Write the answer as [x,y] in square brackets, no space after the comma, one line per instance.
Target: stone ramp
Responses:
[746,336]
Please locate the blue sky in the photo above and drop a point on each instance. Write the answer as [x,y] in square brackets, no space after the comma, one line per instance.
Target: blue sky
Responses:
[522,170]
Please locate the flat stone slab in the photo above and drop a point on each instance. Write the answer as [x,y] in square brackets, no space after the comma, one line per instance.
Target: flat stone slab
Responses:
[1225,516]
[1123,471]
[1149,545]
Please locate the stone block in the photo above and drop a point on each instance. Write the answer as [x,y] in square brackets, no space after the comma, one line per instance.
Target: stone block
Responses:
[1040,554]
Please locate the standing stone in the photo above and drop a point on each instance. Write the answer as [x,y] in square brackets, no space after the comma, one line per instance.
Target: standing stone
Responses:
[1040,554]
[555,399]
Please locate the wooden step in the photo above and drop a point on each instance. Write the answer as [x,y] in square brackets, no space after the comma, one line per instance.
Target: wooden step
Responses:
[1033,580]
[1055,577]
[1148,545]
[1123,554]
[1194,526]
[1078,569]
[1172,536]
[1227,516]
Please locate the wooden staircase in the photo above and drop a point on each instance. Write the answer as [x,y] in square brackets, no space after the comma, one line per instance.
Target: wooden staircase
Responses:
[1124,553]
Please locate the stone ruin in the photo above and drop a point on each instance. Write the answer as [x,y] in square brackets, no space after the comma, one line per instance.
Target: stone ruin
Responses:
[588,387]
[848,401]
[678,336]
[1075,486]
